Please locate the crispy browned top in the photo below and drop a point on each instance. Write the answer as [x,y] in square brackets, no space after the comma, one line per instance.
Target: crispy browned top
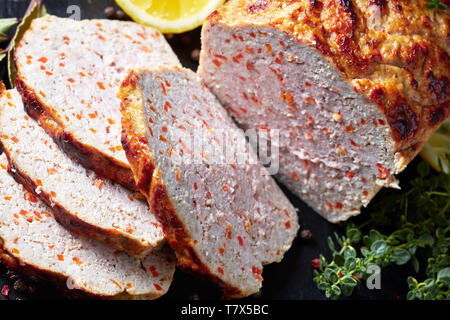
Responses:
[394,51]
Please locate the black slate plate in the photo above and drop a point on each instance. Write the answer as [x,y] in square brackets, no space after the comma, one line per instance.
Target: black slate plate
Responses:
[290,279]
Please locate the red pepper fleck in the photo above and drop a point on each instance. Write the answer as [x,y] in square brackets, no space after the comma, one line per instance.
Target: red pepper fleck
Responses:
[153,271]
[217,63]
[250,66]
[383,172]
[339,205]
[241,242]
[354,143]
[349,174]
[306,164]
[228,231]
[288,225]
[100,85]
[43,60]
[167,106]
[219,56]
[257,273]
[157,286]
[238,58]
[329,205]
[349,128]
[220,270]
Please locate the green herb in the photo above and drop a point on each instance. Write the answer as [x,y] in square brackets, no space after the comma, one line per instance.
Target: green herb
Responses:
[436,4]
[35,10]
[417,219]
[5,25]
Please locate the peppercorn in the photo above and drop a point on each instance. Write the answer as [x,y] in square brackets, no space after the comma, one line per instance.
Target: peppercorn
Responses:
[305,234]
[120,15]
[110,12]
[20,285]
[195,54]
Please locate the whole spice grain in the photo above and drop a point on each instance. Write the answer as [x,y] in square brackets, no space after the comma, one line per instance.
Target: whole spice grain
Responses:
[185,39]
[195,55]
[20,285]
[110,12]
[120,15]
[305,234]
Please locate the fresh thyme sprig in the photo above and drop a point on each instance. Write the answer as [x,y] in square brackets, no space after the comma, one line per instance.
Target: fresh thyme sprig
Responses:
[436,4]
[418,219]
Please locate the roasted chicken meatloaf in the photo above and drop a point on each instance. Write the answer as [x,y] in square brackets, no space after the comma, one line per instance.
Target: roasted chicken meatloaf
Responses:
[355,88]
[221,211]
[69,72]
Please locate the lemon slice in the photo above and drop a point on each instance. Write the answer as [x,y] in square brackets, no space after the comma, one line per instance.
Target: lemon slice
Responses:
[437,150]
[170,16]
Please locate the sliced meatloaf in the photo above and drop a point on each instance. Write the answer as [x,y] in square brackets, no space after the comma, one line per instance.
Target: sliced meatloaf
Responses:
[68,73]
[355,88]
[82,201]
[32,242]
[221,211]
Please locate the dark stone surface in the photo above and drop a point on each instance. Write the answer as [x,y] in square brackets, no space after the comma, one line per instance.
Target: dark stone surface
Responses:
[290,279]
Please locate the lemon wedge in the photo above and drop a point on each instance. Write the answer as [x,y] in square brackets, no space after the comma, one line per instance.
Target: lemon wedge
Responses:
[437,150]
[170,16]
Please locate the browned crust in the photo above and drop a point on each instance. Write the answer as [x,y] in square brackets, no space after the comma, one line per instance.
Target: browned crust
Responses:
[139,156]
[179,239]
[86,155]
[134,140]
[111,237]
[403,67]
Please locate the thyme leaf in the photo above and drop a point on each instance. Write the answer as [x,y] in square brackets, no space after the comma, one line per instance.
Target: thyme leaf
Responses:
[416,219]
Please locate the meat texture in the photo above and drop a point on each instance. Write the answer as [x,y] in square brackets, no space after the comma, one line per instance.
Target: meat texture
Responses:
[221,212]
[69,72]
[82,201]
[33,243]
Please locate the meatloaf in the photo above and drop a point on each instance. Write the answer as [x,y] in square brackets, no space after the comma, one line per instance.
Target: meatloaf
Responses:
[32,242]
[82,201]
[356,87]
[221,212]
[68,73]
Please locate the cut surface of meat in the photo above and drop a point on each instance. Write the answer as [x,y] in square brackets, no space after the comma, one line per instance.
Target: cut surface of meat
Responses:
[32,242]
[83,202]
[353,102]
[68,73]
[221,212]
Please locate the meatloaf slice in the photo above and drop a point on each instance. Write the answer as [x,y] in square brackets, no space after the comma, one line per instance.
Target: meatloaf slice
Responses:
[224,218]
[82,201]
[69,72]
[32,242]
[355,88]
